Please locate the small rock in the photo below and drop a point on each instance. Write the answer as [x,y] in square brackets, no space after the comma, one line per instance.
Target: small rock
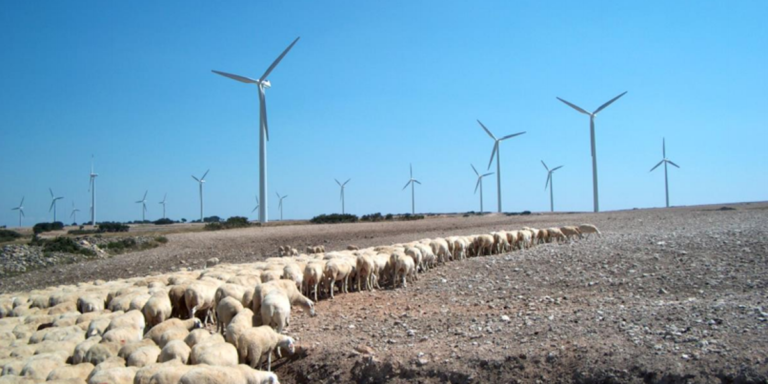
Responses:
[505,318]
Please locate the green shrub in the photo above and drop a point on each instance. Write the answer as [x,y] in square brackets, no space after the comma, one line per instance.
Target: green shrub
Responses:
[212,219]
[47,227]
[113,227]
[409,217]
[232,222]
[161,239]
[163,221]
[373,217]
[7,235]
[62,245]
[334,218]
[388,216]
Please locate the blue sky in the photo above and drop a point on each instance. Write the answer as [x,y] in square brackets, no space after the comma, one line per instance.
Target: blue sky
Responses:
[370,88]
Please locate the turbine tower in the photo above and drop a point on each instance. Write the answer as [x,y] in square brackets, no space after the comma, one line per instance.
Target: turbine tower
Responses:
[592,139]
[163,203]
[665,161]
[143,203]
[496,152]
[280,204]
[412,181]
[480,185]
[342,193]
[53,204]
[73,215]
[257,204]
[263,84]
[92,190]
[201,181]
[549,183]
[20,208]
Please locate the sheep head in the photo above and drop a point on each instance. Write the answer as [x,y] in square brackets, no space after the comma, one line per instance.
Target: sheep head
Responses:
[288,343]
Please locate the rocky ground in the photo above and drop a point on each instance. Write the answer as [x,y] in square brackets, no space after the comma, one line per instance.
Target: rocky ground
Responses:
[673,295]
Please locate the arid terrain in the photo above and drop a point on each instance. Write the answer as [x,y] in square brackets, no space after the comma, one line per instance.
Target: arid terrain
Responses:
[665,295]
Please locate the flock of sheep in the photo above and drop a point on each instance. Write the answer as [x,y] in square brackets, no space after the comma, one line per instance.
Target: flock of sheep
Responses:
[151,329]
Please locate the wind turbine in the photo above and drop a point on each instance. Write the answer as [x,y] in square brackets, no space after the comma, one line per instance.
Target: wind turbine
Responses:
[412,181]
[342,193]
[496,152]
[92,190]
[263,84]
[480,185]
[201,181]
[549,183]
[592,138]
[73,215]
[143,202]
[665,161]
[53,204]
[280,205]
[20,208]
[163,203]
[257,204]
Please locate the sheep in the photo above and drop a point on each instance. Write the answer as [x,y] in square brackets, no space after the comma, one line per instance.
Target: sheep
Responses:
[144,374]
[337,270]
[352,247]
[175,350]
[90,303]
[256,342]
[441,250]
[157,309]
[292,271]
[157,331]
[170,374]
[199,296]
[239,324]
[97,327]
[587,229]
[211,262]
[101,352]
[128,349]
[525,237]
[225,311]
[217,353]
[543,236]
[122,335]
[483,245]
[176,333]
[39,366]
[313,275]
[117,375]
[570,231]
[402,266]
[76,371]
[415,254]
[132,319]
[316,249]
[555,235]
[365,266]
[228,290]
[81,349]
[178,305]
[276,310]
[143,356]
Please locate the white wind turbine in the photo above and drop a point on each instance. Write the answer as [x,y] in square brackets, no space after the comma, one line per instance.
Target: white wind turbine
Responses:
[592,139]
[412,182]
[342,185]
[201,181]
[549,183]
[496,151]
[92,189]
[480,185]
[53,204]
[163,203]
[257,204]
[280,204]
[665,161]
[73,215]
[143,203]
[20,208]
[263,84]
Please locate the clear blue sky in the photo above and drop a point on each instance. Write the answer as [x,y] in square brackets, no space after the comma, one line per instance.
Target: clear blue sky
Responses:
[370,88]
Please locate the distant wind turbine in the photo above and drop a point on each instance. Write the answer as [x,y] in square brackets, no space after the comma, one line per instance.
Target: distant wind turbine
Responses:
[412,182]
[143,203]
[592,138]
[480,184]
[496,152]
[549,183]
[201,181]
[280,204]
[263,84]
[665,161]
[92,189]
[20,208]
[53,204]
[342,193]
[73,215]
[257,204]
[163,203]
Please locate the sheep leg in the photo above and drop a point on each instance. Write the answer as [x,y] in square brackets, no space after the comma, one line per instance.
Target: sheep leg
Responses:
[192,312]
[269,360]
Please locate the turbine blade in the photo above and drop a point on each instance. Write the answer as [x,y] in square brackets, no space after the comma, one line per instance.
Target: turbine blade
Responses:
[407,184]
[196,179]
[205,174]
[15,209]
[52,204]
[556,168]
[473,168]
[285,196]
[263,109]
[477,185]
[574,107]
[487,174]
[22,202]
[277,61]
[278,195]
[239,78]
[511,136]
[549,176]
[608,103]
[348,180]
[486,130]
[670,161]
[411,165]
[495,148]
[657,165]
[417,182]
[51,190]
[145,195]
[22,213]
[545,165]
[664,148]
[337,182]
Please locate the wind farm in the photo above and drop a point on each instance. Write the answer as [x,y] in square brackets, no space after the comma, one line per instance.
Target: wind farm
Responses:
[264,271]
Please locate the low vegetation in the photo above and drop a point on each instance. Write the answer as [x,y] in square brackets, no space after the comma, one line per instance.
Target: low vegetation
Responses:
[231,223]
[164,221]
[61,244]
[7,235]
[112,227]
[334,218]
[47,227]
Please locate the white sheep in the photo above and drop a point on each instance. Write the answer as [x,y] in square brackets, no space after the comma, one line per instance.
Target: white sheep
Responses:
[402,268]
[570,231]
[241,322]
[257,342]
[75,371]
[337,270]
[225,311]
[90,303]
[196,336]
[175,350]
[157,331]
[81,349]
[313,275]
[587,229]
[276,310]
[157,309]
[215,352]
[199,296]
[365,267]
[143,356]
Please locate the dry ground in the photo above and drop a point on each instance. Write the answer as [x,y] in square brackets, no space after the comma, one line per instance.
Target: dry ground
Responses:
[673,295]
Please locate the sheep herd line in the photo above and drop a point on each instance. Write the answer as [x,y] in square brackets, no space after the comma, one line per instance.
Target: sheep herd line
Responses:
[152,329]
